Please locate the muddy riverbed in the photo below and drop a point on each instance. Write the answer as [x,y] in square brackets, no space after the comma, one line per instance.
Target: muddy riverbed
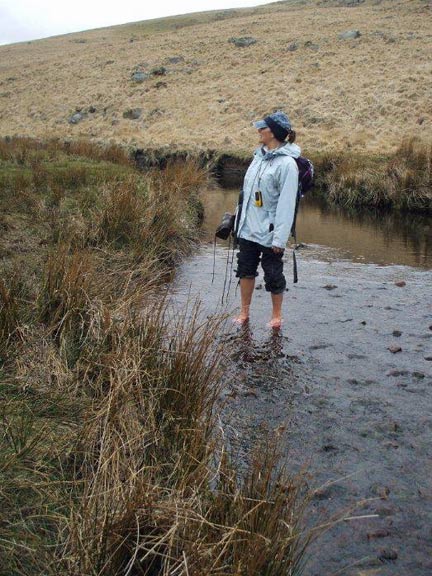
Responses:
[349,380]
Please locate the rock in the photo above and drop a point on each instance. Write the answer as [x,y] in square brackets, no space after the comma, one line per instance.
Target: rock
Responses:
[401,283]
[140,76]
[259,287]
[132,113]
[394,349]
[388,554]
[330,286]
[175,59]
[243,41]
[349,35]
[363,322]
[380,490]
[311,45]
[156,112]
[397,333]
[428,358]
[159,71]
[328,448]
[380,533]
[391,444]
[328,492]
[292,47]
[418,375]
[430,327]
[350,3]
[397,373]
[75,118]
[318,346]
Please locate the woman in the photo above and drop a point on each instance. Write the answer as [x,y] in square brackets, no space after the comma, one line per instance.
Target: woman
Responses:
[265,217]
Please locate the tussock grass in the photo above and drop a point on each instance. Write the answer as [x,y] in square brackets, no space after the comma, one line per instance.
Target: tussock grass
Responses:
[21,150]
[9,316]
[403,181]
[111,457]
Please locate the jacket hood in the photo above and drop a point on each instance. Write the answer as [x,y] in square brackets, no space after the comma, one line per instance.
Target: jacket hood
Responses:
[285,150]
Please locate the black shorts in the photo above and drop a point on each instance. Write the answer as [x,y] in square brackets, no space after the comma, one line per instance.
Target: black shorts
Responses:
[249,256]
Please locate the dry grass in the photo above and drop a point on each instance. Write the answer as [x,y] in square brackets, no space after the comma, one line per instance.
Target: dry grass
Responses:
[350,95]
[10,329]
[21,150]
[111,459]
[403,181]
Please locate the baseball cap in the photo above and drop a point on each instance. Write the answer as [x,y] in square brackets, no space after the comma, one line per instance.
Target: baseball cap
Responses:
[279,117]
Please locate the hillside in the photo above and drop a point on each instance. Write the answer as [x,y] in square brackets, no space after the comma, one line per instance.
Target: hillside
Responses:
[199,90]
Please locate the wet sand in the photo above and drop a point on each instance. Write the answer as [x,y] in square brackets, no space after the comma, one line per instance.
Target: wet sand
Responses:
[355,408]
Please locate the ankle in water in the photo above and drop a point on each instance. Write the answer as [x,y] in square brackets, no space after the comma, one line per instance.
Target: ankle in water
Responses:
[275,323]
[241,319]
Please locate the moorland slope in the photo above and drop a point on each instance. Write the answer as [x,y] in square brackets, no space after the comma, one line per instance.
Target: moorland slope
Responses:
[182,82]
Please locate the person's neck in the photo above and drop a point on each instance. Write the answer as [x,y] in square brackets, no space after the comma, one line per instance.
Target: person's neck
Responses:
[274,144]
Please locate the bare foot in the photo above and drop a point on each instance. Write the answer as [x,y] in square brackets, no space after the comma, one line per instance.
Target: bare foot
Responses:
[241,320]
[275,323]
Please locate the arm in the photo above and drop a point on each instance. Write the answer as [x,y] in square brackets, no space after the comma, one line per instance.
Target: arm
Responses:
[286,204]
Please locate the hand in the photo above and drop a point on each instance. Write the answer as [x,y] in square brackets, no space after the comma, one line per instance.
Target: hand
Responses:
[277,250]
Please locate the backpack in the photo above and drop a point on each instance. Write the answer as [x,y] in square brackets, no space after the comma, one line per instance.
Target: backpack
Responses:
[305,183]
[306,174]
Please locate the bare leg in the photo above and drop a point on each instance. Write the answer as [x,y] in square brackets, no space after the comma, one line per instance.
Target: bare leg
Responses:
[246,290]
[276,320]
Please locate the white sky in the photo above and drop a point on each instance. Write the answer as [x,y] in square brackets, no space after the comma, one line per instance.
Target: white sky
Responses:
[30,19]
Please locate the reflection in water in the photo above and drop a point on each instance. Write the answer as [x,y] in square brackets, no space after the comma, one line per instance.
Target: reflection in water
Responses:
[365,235]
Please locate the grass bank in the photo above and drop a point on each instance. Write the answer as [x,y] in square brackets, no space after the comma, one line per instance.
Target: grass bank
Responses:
[400,181]
[111,459]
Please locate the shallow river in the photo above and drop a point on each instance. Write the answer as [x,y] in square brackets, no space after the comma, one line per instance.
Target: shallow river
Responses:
[349,376]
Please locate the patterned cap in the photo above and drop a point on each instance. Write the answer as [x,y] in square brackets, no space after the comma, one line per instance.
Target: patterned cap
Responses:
[279,117]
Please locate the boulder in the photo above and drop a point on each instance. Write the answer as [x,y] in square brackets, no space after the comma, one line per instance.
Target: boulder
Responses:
[159,71]
[75,118]
[243,41]
[132,113]
[349,35]
[139,76]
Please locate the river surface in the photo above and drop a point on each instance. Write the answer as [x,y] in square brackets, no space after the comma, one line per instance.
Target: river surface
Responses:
[348,378]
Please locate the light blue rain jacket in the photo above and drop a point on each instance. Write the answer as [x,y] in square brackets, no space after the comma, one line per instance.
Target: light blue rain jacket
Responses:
[275,174]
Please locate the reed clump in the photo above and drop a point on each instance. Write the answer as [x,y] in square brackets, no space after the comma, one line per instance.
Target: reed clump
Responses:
[111,459]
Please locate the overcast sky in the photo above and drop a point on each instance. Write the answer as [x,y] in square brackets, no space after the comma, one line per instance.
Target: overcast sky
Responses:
[30,19]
